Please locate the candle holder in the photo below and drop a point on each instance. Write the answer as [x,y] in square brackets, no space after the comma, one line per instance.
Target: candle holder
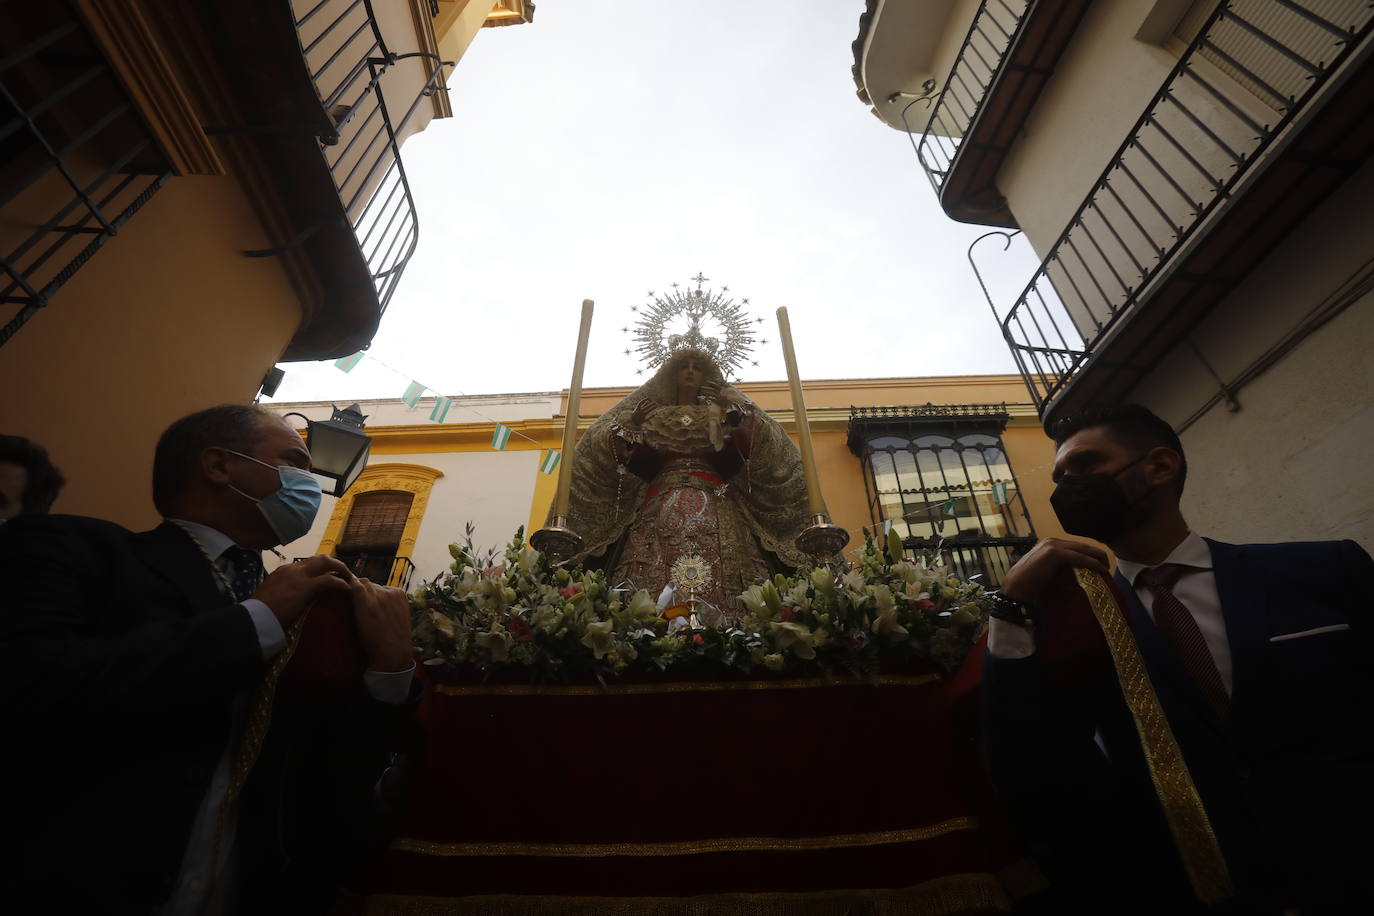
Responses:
[822,539]
[559,541]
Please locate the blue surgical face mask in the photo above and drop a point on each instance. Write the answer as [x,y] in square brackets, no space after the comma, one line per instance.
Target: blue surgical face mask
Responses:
[292,508]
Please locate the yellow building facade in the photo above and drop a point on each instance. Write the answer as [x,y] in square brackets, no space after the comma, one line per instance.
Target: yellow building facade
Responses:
[191,194]
[955,463]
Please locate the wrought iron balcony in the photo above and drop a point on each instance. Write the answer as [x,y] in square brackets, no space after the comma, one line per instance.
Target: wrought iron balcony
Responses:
[1244,125]
[1005,59]
[395,571]
[76,161]
[940,476]
[354,71]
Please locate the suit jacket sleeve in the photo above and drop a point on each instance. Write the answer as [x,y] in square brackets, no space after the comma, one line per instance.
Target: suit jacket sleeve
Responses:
[84,659]
[1040,717]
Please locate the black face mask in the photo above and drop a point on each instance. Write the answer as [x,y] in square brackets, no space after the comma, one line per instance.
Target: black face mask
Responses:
[1094,505]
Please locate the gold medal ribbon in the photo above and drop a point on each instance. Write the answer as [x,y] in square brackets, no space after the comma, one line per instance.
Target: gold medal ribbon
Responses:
[1188,821]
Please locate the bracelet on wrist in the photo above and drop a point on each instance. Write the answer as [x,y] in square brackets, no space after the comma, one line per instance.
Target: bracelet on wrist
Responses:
[1011,610]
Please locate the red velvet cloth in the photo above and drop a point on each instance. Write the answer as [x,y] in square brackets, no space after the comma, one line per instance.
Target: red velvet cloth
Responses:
[328,656]
[684,764]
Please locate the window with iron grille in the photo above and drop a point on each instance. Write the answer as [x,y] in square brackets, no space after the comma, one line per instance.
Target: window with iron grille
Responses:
[941,476]
[372,534]
[76,159]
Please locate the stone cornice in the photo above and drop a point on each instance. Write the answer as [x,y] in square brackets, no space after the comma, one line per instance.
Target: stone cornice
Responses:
[547,432]
[142,64]
[429,44]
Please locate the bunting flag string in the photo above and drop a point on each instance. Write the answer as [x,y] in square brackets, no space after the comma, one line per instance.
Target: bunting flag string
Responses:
[414,394]
[550,462]
[348,362]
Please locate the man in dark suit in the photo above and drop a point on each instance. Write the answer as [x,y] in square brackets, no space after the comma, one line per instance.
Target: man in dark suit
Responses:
[133,668]
[1260,656]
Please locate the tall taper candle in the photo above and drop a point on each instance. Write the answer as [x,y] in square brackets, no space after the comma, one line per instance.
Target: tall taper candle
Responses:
[815,504]
[565,465]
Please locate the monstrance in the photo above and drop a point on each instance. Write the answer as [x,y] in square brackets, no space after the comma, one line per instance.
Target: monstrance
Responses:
[692,573]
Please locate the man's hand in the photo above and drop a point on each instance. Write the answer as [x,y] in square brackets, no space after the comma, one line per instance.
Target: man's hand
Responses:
[1033,572]
[292,588]
[383,617]
[642,411]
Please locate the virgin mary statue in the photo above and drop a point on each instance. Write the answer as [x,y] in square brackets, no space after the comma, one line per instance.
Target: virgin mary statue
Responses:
[687,468]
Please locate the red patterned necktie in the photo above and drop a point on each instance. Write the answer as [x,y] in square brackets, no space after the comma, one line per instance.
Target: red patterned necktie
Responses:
[1179,628]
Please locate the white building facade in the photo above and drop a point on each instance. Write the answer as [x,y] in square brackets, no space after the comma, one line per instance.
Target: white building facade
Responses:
[1194,177]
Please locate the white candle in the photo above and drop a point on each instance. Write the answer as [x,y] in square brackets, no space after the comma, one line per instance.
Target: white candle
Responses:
[815,504]
[560,500]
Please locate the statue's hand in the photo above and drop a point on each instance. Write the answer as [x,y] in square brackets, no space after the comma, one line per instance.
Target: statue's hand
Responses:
[641,411]
[709,392]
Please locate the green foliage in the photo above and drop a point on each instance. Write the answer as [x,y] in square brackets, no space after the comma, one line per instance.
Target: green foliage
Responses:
[512,611]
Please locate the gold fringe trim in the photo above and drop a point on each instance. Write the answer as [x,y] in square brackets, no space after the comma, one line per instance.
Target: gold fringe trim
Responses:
[686,847]
[944,896]
[1188,821]
[596,690]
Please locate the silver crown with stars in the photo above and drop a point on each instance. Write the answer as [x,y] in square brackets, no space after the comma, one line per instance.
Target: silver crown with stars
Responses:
[659,333]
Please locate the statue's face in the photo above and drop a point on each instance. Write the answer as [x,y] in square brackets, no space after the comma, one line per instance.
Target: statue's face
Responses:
[690,374]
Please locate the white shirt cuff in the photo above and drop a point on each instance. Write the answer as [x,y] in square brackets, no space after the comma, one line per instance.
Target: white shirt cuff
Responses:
[1009,640]
[271,637]
[389,686]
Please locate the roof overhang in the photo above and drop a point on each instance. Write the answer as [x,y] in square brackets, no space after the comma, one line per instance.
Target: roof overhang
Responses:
[895,52]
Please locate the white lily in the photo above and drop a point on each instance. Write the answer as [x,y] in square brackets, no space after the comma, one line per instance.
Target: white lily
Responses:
[497,641]
[886,623]
[794,636]
[906,572]
[599,638]
[854,581]
[753,600]
[642,606]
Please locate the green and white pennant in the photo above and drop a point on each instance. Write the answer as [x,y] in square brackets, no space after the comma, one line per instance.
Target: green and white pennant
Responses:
[550,462]
[500,436]
[348,362]
[999,494]
[413,392]
[441,408]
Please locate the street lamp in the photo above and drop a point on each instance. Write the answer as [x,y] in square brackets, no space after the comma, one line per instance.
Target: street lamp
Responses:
[338,447]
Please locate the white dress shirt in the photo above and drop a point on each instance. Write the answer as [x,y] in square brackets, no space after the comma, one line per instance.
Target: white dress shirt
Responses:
[1196,589]
[202,883]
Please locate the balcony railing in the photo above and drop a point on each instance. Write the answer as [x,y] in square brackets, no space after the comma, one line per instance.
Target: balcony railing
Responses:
[76,161]
[353,71]
[994,30]
[389,570]
[1250,72]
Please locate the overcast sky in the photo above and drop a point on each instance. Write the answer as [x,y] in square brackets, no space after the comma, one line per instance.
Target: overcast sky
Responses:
[612,148]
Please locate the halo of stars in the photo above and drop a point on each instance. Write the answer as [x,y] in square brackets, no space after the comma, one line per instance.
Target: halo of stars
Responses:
[656,343]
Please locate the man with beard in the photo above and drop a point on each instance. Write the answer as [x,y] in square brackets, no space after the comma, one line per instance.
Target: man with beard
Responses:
[1257,655]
